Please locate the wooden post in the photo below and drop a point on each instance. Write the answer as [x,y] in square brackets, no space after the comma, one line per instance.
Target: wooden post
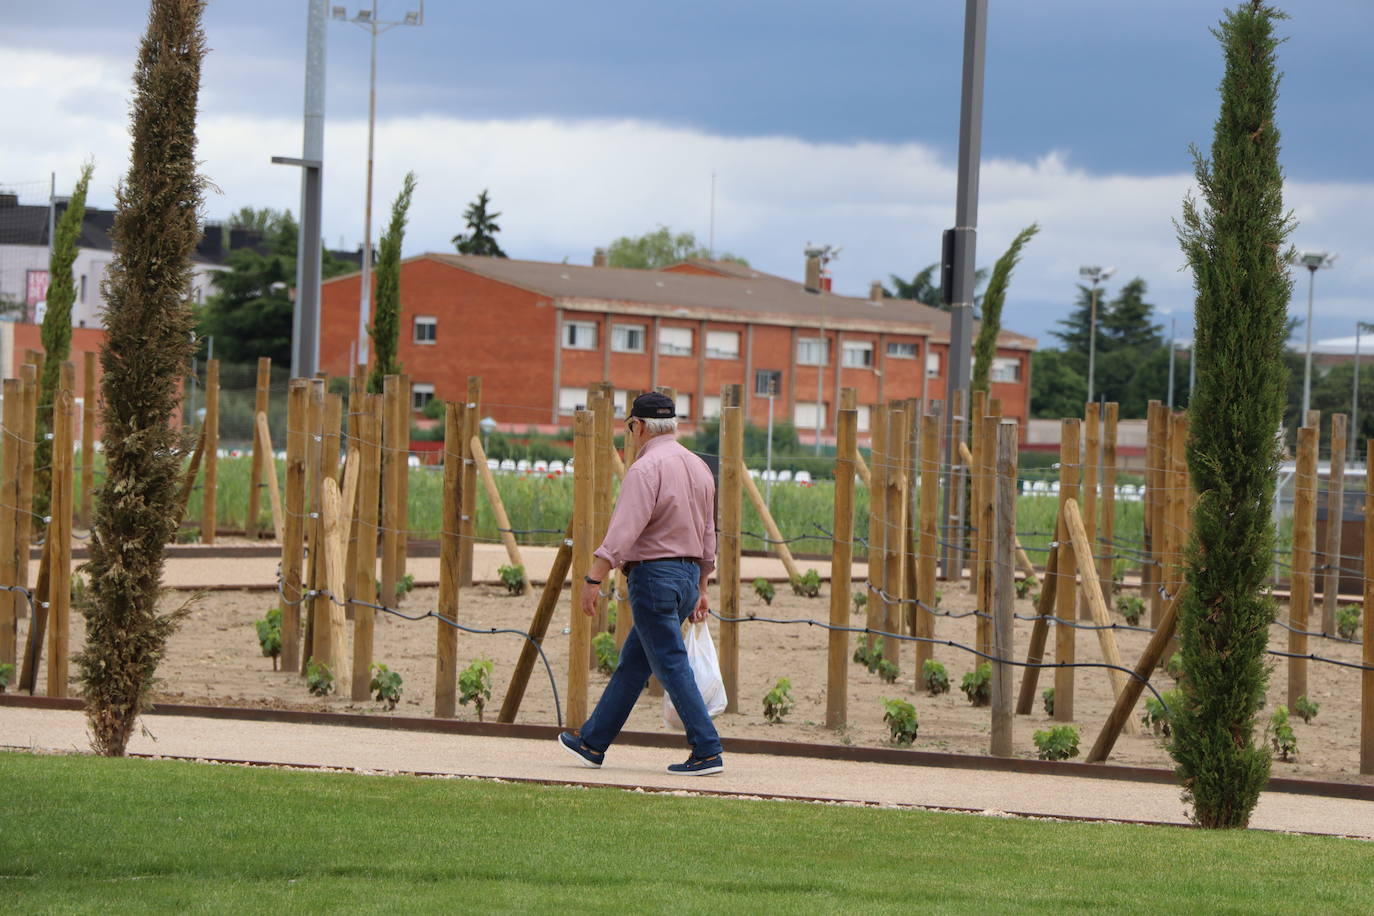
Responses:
[985,521]
[1126,700]
[876,604]
[60,538]
[1151,573]
[1304,540]
[1065,603]
[332,627]
[401,518]
[366,424]
[28,374]
[263,440]
[293,527]
[1335,516]
[1106,566]
[1092,455]
[450,559]
[262,462]
[1178,509]
[88,402]
[1003,590]
[393,461]
[208,505]
[580,636]
[602,406]
[543,613]
[1367,631]
[9,526]
[930,539]
[471,428]
[841,566]
[978,409]
[893,528]
[728,547]
[624,618]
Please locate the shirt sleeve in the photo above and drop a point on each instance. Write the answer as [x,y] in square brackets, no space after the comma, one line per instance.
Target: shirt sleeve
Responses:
[630,516]
[708,541]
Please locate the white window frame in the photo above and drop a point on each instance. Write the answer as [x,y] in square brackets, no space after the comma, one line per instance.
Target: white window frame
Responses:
[932,364]
[856,354]
[711,407]
[763,375]
[901,353]
[806,347]
[421,393]
[862,418]
[425,321]
[669,341]
[579,335]
[683,405]
[804,414]
[569,399]
[1006,369]
[714,341]
[620,331]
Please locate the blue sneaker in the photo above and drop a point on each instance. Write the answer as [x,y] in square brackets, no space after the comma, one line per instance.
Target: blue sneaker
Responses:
[699,766]
[585,755]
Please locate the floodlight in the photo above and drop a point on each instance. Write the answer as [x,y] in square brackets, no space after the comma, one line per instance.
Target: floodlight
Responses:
[338,12]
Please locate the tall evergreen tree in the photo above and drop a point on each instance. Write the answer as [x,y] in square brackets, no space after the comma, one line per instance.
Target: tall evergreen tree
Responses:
[148,324]
[1235,241]
[985,346]
[57,332]
[386,319]
[482,228]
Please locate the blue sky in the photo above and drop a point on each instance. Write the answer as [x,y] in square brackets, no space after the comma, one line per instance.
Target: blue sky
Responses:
[823,123]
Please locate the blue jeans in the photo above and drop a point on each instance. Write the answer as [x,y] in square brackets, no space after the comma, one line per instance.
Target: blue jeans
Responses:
[662,595]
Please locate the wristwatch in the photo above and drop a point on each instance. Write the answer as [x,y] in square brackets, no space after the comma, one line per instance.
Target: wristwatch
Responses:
[590,581]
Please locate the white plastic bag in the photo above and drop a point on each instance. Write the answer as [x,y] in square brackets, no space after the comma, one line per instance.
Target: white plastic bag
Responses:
[701,656]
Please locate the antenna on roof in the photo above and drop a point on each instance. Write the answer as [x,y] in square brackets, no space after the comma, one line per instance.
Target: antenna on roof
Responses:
[711,237]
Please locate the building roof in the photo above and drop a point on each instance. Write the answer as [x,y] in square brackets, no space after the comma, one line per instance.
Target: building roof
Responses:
[763,298]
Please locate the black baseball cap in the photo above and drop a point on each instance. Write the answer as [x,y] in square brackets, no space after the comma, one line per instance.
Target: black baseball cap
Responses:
[653,405]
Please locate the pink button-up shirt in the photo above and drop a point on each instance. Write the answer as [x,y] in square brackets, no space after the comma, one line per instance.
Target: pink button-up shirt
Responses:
[666,508]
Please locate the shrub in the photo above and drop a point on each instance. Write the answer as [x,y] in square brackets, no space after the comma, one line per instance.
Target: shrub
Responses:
[935,676]
[1058,743]
[977,685]
[885,669]
[1024,586]
[777,703]
[512,576]
[607,656]
[1132,607]
[1348,620]
[1282,737]
[807,585]
[1047,700]
[860,602]
[269,634]
[474,685]
[764,589]
[869,649]
[1305,708]
[900,717]
[404,586]
[6,675]
[1156,716]
[319,680]
[385,685]
[1175,667]
[939,596]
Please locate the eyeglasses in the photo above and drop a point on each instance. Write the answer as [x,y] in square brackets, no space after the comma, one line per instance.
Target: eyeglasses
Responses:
[630,425]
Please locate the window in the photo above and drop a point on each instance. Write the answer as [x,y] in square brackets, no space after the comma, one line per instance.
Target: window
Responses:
[675,341]
[932,365]
[1005,370]
[901,350]
[812,351]
[857,354]
[804,414]
[627,338]
[684,405]
[426,329]
[420,396]
[569,399]
[579,335]
[722,344]
[711,407]
[862,418]
[766,382]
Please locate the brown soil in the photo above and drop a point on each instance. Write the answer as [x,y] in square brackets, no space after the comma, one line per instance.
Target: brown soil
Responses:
[214,658]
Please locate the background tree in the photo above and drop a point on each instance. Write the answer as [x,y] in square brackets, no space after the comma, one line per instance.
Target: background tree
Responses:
[922,288]
[1132,358]
[985,346]
[661,248]
[262,220]
[386,319]
[1235,242]
[148,323]
[57,332]
[481,236]
[1057,386]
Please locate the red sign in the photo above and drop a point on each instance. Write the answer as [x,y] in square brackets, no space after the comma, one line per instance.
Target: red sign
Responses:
[37,287]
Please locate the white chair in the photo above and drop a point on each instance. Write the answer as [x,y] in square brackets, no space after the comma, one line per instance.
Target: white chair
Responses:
[522,465]
[555,467]
[413,461]
[507,464]
[541,466]
[803,477]
[493,464]
[784,476]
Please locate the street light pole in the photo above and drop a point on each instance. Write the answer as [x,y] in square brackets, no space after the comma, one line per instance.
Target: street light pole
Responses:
[1313,261]
[1355,393]
[1095,275]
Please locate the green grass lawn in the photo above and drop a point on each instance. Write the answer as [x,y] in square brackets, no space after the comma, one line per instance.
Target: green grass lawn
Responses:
[91,835]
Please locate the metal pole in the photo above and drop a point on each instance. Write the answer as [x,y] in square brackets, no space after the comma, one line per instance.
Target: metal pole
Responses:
[1092,338]
[1173,345]
[1355,398]
[768,477]
[960,292]
[305,324]
[1307,371]
[365,294]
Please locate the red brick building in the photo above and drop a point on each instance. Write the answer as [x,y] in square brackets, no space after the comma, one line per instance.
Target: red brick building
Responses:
[539,333]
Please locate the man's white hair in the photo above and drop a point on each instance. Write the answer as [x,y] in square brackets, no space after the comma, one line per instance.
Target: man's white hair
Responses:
[657,426]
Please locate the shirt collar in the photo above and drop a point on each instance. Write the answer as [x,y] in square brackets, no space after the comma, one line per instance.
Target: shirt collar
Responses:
[656,442]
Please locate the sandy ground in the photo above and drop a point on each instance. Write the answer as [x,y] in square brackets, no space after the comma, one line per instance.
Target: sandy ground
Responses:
[214,657]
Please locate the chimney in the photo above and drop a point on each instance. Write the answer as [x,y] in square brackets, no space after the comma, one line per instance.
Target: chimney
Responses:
[9,200]
[813,273]
[600,259]
[875,292]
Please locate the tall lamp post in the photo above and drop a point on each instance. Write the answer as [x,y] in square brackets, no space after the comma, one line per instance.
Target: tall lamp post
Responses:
[368,20]
[1355,391]
[1313,261]
[1095,276]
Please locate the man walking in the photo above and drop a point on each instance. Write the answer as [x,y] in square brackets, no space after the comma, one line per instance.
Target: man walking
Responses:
[663,534]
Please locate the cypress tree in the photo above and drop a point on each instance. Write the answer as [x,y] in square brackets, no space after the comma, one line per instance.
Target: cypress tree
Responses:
[148,321]
[56,332]
[386,318]
[1235,241]
[985,347]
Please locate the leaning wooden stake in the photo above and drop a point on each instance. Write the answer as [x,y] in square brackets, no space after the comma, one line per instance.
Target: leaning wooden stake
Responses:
[770,526]
[450,559]
[263,441]
[728,548]
[579,624]
[262,463]
[209,506]
[188,483]
[1335,516]
[1304,540]
[543,613]
[498,509]
[1126,700]
[1003,590]
[841,567]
